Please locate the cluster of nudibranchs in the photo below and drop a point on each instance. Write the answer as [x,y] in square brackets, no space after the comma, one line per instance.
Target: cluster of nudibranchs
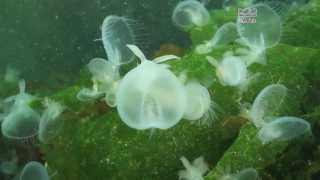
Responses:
[151,96]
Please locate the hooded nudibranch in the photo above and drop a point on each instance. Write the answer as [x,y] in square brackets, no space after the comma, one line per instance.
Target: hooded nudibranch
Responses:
[231,71]
[190,13]
[199,103]
[50,122]
[284,129]
[116,33]
[264,33]
[34,171]
[226,34]
[150,95]
[194,171]
[22,122]
[105,77]
[267,104]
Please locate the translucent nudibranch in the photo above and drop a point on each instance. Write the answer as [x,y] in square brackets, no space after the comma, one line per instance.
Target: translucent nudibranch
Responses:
[34,171]
[105,77]
[22,122]
[116,33]
[198,103]
[264,33]
[150,95]
[226,34]
[190,13]
[284,129]
[267,104]
[194,171]
[50,121]
[231,71]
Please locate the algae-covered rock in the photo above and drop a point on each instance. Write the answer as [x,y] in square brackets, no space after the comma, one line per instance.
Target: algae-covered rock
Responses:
[106,147]
[246,151]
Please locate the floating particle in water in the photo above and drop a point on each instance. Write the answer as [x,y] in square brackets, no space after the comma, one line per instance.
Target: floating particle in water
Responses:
[231,71]
[284,129]
[190,13]
[199,103]
[194,171]
[22,122]
[264,32]
[34,171]
[51,121]
[267,104]
[226,34]
[150,95]
[116,33]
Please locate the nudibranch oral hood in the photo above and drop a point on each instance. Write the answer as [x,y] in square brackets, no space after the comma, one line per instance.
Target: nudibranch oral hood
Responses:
[150,95]
[116,33]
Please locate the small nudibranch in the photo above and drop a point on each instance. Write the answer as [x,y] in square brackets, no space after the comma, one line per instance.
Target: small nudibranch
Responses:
[226,34]
[231,71]
[190,13]
[116,33]
[267,104]
[194,171]
[284,129]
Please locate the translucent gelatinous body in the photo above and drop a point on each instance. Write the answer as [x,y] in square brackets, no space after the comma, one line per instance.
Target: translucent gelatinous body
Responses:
[232,71]
[265,32]
[105,77]
[226,34]
[50,122]
[150,96]
[198,101]
[22,122]
[190,13]
[267,104]
[194,171]
[284,129]
[34,171]
[103,71]
[116,34]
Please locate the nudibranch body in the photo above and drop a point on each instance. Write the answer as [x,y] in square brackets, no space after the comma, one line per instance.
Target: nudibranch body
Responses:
[105,78]
[190,13]
[34,171]
[150,95]
[50,121]
[231,71]
[116,33]
[199,104]
[267,104]
[194,171]
[284,129]
[22,122]
[264,33]
[226,34]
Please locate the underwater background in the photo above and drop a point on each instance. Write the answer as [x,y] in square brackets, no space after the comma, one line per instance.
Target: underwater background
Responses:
[49,44]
